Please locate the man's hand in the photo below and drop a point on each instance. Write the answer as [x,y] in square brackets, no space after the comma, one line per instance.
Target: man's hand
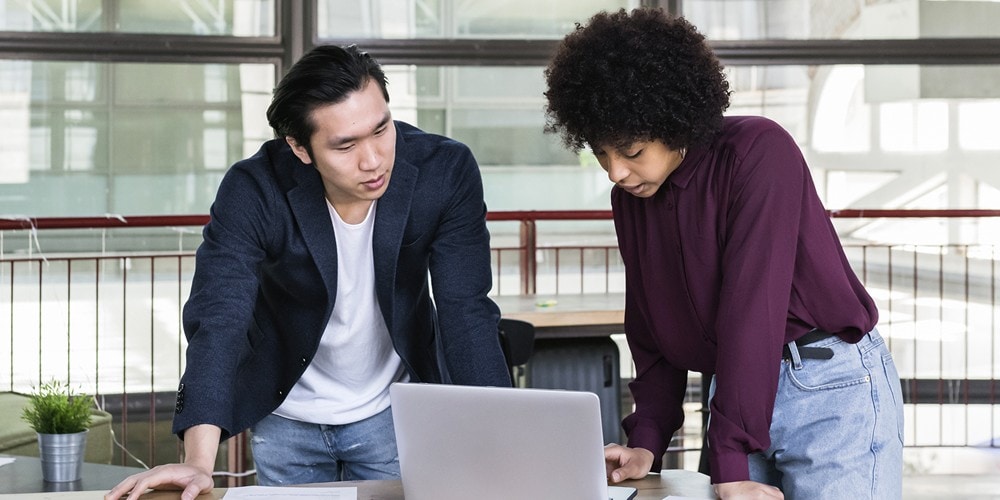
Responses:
[624,463]
[747,490]
[194,476]
[193,480]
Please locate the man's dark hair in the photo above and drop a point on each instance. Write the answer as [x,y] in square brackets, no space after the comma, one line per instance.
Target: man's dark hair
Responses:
[636,76]
[325,75]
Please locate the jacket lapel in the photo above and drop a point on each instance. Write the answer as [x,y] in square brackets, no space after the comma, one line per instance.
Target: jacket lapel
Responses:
[391,214]
[308,203]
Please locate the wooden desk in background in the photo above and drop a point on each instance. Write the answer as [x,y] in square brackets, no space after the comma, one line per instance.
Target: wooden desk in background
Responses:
[567,316]
[653,487]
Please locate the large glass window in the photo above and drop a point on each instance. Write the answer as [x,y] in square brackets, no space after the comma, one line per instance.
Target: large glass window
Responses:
[165,122]
[186,17]
[95,136]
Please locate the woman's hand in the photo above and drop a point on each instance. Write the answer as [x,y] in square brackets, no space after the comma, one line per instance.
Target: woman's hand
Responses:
[624,463]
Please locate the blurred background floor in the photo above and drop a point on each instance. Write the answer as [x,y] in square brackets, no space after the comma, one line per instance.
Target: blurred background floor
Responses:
[951,486]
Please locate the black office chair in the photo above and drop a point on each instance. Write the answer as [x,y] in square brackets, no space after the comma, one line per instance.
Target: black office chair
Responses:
[517,339]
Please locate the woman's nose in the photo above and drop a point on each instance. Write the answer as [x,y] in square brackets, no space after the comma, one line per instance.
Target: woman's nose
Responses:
[617,171]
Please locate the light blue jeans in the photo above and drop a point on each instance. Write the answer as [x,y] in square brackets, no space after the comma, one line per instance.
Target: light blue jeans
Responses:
[291,452]
[837,426]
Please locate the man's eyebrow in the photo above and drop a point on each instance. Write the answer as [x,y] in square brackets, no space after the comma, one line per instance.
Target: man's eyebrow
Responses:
[339,141]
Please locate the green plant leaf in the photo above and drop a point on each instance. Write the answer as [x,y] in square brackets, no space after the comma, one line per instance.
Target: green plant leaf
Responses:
[55,409]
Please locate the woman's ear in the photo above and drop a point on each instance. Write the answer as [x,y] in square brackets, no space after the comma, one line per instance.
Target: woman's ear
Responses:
[300,151]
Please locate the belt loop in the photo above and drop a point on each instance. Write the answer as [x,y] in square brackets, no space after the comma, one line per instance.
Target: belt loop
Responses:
[793,349]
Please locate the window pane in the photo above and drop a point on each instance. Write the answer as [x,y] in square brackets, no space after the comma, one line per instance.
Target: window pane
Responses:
[914,126]
[225,17]
[52,15]
[90,138]
[977,123]
[497,111]
[456,18]
[812,19]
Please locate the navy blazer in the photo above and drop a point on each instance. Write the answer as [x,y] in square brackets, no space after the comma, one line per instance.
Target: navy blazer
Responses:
[266,277]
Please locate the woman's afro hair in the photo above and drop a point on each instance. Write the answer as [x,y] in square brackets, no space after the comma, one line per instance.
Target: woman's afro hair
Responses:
[638,76]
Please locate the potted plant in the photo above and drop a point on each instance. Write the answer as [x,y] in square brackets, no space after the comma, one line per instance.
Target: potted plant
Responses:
[61,418]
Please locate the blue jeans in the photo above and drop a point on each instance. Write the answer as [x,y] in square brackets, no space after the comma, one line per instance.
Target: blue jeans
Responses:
[837,426]
[291,452]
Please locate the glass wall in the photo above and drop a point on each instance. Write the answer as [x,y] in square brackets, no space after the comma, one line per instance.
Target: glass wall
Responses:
[146,122]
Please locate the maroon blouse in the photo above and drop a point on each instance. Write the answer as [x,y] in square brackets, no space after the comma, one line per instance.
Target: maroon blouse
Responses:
[733,257]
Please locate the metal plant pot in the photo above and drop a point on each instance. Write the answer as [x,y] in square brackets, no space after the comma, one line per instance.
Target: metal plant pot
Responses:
[61,456]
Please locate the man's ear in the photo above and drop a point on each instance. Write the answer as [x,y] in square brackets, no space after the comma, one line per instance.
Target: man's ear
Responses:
[299,150]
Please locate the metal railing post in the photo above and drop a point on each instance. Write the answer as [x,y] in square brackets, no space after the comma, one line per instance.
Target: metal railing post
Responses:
[529,267]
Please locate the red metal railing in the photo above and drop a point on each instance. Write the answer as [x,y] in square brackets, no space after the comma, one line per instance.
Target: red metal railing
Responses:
[528,232]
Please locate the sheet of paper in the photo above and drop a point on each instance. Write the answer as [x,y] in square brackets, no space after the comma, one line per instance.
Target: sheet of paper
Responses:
[257,492]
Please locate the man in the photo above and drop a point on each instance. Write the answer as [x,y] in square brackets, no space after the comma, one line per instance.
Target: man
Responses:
[732,267]
[311,293]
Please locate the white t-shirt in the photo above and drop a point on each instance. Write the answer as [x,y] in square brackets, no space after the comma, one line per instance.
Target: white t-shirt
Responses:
[348,379]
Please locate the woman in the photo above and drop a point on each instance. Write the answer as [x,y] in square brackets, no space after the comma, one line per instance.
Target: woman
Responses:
[732,267]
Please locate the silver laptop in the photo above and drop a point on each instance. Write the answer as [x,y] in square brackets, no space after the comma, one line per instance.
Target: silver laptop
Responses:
[492,443]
